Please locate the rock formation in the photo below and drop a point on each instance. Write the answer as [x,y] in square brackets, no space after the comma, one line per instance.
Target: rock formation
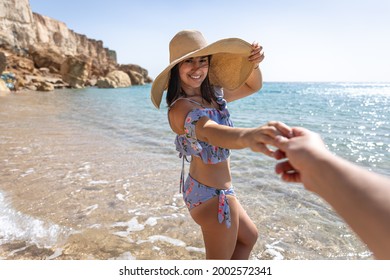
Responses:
[42,53]
[114,79]
[75,71]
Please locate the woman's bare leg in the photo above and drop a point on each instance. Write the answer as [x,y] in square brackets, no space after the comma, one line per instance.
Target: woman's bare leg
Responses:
[247,236]
[222,242]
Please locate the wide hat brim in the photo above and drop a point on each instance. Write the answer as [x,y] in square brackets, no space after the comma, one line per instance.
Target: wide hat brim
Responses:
[229,67]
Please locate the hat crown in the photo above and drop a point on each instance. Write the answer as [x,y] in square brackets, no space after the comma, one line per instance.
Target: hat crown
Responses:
[185,42]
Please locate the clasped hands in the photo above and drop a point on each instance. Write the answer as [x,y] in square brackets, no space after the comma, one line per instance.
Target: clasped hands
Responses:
[295,144]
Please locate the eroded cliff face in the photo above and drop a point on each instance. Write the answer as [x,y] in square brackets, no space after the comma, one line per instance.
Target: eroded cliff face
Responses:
[54,35]
[39,49]
[16,23]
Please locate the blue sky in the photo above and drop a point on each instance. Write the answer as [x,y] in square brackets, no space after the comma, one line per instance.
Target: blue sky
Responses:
[327,40]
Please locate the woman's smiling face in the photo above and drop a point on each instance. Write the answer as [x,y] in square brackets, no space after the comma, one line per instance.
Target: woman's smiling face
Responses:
[193,71]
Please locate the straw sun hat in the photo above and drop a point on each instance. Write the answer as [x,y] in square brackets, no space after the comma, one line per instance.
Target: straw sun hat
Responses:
[229,67]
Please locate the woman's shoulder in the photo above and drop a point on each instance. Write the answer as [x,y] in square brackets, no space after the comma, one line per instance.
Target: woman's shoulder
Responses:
[178,112]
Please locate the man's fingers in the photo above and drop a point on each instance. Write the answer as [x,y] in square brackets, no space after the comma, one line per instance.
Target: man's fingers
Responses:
[284,167]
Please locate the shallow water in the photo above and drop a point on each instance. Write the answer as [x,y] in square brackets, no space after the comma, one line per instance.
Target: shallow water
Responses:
[93,174]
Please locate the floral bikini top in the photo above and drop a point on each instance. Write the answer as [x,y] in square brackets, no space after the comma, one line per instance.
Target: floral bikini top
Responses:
[187,144]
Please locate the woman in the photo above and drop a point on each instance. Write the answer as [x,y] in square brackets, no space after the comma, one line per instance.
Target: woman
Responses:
[200,80]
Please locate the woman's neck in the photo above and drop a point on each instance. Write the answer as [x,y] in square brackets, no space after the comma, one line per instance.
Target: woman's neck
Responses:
[191,92]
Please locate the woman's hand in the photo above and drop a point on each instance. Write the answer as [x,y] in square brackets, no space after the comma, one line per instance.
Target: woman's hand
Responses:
[258,139]
[257,54]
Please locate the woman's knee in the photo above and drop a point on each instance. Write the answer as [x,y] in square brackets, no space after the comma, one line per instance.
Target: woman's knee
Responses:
[253,235]
[247,230]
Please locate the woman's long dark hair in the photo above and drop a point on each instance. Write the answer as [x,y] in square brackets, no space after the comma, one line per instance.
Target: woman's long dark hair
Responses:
[175,91]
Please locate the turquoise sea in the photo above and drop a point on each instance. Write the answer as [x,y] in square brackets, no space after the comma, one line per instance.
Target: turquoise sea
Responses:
[93,173]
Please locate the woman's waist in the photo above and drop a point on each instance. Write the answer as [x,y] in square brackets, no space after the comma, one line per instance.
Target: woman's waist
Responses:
[213,175]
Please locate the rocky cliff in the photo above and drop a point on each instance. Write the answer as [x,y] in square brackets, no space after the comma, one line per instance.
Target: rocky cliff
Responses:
[41,53]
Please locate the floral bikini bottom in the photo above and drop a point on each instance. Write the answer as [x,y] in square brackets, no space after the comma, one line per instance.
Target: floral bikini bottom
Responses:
[195,193]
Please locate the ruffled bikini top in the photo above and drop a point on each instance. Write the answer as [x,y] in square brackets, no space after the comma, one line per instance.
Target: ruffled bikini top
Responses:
[187,144]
